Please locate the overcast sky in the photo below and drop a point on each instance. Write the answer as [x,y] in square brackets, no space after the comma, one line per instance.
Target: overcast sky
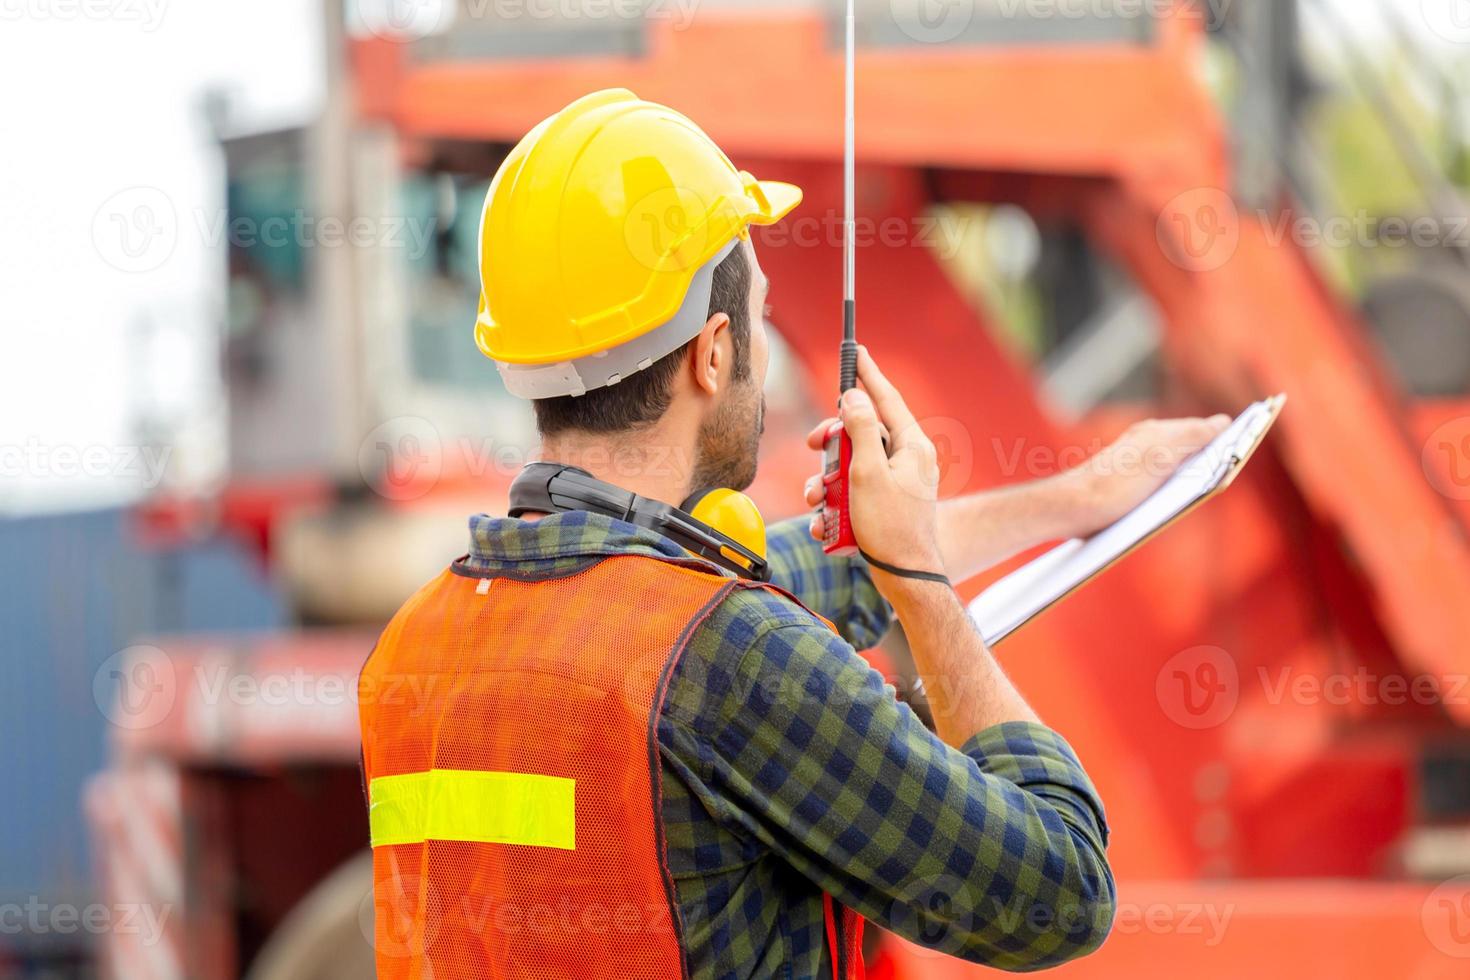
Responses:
[101,98]
[93,106]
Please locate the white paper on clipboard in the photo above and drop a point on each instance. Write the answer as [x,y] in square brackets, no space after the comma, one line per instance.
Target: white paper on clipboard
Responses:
[1013,601]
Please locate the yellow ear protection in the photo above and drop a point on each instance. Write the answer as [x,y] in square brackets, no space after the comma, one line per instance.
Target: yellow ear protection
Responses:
[720,525]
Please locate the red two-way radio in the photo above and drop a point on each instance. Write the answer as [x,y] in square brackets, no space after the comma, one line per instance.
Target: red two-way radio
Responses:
[837,536]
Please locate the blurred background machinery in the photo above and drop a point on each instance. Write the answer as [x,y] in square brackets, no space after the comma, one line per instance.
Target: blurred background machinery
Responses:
[1072,222]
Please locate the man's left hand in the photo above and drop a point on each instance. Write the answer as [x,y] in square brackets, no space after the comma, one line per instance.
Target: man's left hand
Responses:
[1123,475]
[976,531]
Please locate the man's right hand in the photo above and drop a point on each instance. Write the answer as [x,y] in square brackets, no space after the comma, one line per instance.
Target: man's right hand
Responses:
[893,492]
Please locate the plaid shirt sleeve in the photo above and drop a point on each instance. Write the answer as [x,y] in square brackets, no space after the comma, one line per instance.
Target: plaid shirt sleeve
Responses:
[995,853]
[839,590]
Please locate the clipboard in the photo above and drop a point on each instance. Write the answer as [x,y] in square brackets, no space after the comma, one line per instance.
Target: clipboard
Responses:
[1035,587]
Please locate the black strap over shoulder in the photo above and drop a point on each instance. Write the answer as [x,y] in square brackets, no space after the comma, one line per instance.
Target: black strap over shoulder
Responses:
[554,488]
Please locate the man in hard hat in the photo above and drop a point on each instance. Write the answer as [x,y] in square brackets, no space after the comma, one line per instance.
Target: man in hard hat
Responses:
[643,743]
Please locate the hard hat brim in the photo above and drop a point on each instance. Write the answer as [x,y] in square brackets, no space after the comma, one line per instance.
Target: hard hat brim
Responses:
[780,197]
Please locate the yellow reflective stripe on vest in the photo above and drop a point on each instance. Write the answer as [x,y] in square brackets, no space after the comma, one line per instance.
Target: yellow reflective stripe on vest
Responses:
[469,805]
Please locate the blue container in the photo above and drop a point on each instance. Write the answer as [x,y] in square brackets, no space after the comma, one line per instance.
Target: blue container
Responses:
[75,589]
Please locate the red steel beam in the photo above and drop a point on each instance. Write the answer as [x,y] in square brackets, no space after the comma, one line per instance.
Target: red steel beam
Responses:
[771,85]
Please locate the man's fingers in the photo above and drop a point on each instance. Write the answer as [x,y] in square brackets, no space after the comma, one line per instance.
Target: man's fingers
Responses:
[1164,443]
[817,438]
[892,409]
[1216,424]
[1192,435]
[860,419]
[815,491]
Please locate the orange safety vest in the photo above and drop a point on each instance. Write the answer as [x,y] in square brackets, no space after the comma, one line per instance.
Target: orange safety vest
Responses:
[510,753]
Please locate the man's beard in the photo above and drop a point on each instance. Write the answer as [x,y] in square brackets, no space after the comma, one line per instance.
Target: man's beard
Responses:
[729,442]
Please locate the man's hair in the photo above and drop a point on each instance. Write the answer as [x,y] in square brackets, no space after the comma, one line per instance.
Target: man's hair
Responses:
[641,399]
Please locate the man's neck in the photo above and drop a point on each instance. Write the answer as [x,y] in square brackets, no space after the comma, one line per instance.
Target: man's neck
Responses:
[649,466]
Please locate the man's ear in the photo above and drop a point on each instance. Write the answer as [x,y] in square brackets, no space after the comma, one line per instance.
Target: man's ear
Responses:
[709,353]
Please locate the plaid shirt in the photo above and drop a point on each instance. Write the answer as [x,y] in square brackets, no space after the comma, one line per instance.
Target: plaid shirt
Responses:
[789,770]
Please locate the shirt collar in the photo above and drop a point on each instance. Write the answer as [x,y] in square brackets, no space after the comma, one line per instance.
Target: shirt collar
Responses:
[505,541]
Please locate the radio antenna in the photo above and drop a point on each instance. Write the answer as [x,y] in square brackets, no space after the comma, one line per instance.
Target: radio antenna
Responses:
[849,350]
[838,537]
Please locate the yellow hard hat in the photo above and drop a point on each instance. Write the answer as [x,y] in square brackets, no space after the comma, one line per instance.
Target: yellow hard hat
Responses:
[599,238]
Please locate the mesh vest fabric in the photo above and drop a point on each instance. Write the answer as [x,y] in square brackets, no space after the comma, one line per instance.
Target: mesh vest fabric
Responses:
[513,776]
